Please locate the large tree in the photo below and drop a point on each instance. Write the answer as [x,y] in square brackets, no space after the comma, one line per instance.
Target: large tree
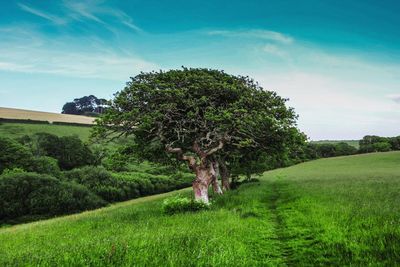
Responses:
[86,105]
[198,116]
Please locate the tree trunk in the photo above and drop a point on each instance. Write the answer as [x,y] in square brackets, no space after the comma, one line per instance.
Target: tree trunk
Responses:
[225,175]
[214,170]
[201,184]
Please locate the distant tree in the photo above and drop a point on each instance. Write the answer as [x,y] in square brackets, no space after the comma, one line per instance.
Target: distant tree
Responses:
[343,149]
[395,143]
[198,115]
[373,143]
[70,108]
[87,105]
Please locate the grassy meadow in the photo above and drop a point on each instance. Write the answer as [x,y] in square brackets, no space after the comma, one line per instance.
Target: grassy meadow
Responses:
[15,130]
[338,211]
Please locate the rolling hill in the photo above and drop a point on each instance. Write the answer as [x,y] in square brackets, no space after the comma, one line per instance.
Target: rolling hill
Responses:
[18,122]
[337,211]
[22,114]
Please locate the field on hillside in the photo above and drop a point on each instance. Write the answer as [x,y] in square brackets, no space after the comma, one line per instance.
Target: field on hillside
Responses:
[337,211]
[22,114]
[15,130]
[354,143]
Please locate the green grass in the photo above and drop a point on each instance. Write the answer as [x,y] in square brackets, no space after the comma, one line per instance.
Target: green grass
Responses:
[338,211]
[15,130]
[354,143]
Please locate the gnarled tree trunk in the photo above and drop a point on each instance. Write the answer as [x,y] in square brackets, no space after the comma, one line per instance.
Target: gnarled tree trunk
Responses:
[201,184]
[214,167]
[204,169]
[225,175]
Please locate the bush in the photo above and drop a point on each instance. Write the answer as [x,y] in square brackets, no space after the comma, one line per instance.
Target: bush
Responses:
[32,194]
[46,165]
[70,151]
[178,204]
[96,179]
[14,155]
[123,186]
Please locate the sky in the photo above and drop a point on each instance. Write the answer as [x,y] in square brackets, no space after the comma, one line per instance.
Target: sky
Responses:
[337,61]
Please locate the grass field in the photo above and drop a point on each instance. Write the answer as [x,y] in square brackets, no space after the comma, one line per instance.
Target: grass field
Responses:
[354,143]
[15,130]
[337,211]
[22,114]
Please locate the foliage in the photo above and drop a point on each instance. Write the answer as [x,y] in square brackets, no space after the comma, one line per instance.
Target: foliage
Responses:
[200,116]
[87,105]
[69,151]
[45,165]
[124,186]
[31,194]
[179,204]
[373,143]
[334,212]
[14,155]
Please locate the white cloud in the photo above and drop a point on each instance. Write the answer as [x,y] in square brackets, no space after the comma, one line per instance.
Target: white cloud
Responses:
[395,98]
[42,14]
[259,34]
[275,50]
[332,108]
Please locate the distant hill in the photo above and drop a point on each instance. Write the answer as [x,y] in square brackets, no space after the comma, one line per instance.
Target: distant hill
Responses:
[23,115]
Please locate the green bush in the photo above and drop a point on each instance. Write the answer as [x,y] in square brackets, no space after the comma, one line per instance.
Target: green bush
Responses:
[69,151]
[32,194]
[14,155]
[46,165]
[98,180]
[178,204]
[127,185]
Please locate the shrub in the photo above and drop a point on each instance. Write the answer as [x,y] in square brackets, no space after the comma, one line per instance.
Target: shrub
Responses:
[14,155]
[46,165]
[96,179]
[32,194]
[70,151]
[178,204]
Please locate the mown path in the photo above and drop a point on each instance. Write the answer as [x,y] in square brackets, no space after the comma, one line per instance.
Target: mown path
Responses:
[279,224]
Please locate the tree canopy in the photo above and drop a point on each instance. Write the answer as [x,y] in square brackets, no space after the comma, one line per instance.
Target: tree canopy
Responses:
[200,116]
[87,105]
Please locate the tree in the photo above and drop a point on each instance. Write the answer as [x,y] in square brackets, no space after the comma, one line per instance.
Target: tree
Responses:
[196,116]
[373,143]
[87,105]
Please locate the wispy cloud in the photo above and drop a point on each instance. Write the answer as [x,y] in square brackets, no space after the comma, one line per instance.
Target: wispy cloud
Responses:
[94,11]
[395,98]
[275,50]
[83,65]
[42,14]
[85,10]
[255,33]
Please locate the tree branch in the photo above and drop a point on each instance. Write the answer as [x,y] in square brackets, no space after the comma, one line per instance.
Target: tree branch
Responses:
[179,153]
[215,149]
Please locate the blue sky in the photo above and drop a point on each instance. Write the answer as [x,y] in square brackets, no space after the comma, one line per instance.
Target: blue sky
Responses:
[337,61]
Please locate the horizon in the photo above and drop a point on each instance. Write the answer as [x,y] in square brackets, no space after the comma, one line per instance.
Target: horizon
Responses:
[338,63]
